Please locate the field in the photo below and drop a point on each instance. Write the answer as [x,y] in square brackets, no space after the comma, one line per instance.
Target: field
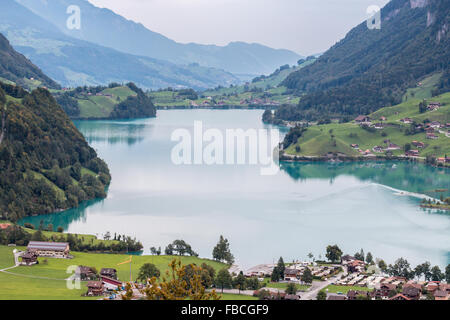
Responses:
[321,139]
[228,296]
[101,106]
[282,285]
[345,289]
[46,280]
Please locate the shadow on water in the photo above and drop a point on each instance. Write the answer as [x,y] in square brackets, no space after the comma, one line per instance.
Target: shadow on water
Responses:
[405,176]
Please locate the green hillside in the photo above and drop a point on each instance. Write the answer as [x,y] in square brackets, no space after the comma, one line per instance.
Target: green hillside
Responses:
[318,140]
[371,69]
[112,102]
[262,91]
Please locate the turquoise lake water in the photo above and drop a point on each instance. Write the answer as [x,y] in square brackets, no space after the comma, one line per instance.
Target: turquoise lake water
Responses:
[302,209]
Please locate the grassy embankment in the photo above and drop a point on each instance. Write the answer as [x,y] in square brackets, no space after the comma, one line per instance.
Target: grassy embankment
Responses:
[320,139]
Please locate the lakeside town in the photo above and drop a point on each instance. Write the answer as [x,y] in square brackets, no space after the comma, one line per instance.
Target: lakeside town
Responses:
[339,277]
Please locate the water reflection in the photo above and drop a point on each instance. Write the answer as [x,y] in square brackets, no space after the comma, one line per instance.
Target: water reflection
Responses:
[118,132]
[411,177]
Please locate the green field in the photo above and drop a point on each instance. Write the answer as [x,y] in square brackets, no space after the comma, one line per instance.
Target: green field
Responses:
[345,289]
[46,280]
[101,106]
[321,139]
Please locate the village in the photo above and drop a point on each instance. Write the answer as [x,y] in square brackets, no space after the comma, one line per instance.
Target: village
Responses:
[351,278]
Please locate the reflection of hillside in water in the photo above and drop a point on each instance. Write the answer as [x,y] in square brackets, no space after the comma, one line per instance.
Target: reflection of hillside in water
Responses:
[119,132]
[411,177]
[63,219]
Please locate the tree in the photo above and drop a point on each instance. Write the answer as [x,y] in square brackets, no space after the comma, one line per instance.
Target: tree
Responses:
[369,258]
[173,286]
[281,267]
[447,274]
[148,271]
[436,274]
[291,289]
[221,251]
[334,253]
[311,256]
[223,279]
[321,295]
[424,270]
[401,268]
[360,255]
[240,282]
[252,283]
[275,277]
[307,276]
[169,250]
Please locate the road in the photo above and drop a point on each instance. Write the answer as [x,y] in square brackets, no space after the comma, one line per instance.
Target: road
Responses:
[317,286]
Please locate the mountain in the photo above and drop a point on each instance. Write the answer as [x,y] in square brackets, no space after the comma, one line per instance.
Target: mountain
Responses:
[104,27]
[370,69]
[16,68]
[74,62]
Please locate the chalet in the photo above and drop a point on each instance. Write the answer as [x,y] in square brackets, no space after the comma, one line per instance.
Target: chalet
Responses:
[362,119]
[111,284]
[432,136]
[379,126]
[354,146]
[406,120]
[109,273]
[441,295]
[49,249]
[346,259]
[87,273]
[386,288]
[377,149]
[29,259]
[355,266]
[418,144]
[433,106]
[432,287]
[419,126]
[383,118]
[400,297]
[412,153]
[353,295]
[393,146]
[435,125]
[411,291]
[291,274]
[95,288]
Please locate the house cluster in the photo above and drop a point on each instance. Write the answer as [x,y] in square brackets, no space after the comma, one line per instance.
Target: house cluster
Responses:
[37,249]
[432,106]
[106,282]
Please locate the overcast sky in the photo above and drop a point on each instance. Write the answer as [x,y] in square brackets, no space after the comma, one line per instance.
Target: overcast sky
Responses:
[304,26]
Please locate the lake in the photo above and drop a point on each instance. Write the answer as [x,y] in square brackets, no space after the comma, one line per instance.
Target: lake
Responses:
[302,209]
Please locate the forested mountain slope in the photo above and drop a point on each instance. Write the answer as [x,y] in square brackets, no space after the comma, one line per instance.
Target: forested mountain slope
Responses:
[370,69]
[46,165]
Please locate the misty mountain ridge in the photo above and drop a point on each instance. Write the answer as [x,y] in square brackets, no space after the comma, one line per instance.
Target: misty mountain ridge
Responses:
[104,27]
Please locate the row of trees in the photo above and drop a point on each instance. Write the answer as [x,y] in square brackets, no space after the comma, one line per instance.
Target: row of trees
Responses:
[19,236]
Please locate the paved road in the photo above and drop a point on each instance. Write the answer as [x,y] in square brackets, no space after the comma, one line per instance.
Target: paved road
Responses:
[317,286]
